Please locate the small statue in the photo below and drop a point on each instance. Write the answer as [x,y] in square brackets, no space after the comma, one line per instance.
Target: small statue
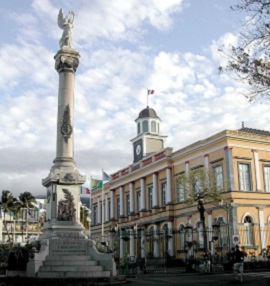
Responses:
[66,24]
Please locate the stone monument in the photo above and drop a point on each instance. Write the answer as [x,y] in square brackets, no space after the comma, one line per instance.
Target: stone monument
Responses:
[64,249]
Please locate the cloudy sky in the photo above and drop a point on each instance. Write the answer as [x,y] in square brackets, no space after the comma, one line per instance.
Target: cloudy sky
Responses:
[126,47]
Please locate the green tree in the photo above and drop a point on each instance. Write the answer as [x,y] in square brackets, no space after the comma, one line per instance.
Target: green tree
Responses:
[84,215]
[249,59]
[200,187]
[26,202]
[8,204]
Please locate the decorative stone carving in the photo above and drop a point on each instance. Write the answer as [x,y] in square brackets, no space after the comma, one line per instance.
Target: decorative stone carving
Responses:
[68,178]
[67,25]
[66,208]
[66,63]
[66,128]
[48,196]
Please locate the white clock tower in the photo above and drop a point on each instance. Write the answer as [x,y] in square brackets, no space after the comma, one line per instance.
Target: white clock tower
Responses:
[148,139]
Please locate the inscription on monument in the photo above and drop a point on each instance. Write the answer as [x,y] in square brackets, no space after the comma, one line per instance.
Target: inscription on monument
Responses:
[68,246]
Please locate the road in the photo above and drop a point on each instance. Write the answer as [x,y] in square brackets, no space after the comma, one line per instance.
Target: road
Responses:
[250,278]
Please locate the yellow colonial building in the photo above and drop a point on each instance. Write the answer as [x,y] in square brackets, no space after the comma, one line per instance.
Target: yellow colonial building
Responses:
[145,212]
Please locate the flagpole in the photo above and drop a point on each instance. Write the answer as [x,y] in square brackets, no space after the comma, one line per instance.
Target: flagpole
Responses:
[102,209]
[147,97]
[90,197]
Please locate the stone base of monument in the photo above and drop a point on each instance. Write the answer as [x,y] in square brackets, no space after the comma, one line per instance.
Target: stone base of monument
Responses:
[66,253]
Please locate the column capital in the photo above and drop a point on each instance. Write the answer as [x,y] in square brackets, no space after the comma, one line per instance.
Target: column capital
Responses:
[206,155]
[209,212]
[253,150]
[189,216]
[169,168]
[187,162]
[66,60]
[228,148]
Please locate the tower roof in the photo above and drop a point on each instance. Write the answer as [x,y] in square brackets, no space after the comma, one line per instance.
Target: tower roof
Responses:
[148,112]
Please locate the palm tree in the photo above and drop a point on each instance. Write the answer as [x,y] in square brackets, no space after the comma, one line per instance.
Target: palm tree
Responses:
[27,200]
[7,205]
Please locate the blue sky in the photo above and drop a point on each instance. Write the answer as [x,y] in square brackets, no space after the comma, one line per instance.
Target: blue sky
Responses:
[126,47]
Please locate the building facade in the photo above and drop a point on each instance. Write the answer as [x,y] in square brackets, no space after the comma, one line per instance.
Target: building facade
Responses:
[151,213]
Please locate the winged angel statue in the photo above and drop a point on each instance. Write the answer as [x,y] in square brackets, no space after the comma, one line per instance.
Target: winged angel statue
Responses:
[66,24]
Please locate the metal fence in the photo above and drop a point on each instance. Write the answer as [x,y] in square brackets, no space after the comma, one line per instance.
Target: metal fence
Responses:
[182,249]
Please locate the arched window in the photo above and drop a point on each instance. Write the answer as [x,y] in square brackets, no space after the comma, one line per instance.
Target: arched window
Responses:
[145,126]
[151,236]
[153,126]
[182,237]
[248,231]
[223,233]
[139,127]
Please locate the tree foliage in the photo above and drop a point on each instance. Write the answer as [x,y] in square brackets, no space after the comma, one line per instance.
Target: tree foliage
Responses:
[8,204]
[199,184]
[84,215]
[249,60]
[27,200]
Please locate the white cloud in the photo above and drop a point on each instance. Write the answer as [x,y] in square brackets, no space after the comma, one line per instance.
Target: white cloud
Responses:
[191,99]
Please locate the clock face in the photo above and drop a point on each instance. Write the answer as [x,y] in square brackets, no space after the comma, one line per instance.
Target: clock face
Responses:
[138,149]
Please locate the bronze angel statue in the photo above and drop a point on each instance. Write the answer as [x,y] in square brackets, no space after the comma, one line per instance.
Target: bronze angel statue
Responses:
[66,24]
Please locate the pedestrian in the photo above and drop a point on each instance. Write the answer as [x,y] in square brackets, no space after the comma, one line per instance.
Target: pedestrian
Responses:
[230,258]
[238,263]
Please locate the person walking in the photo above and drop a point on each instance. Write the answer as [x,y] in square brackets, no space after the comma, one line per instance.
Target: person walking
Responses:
[238,263]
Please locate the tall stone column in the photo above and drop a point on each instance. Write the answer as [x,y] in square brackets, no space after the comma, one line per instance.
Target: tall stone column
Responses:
[64,180]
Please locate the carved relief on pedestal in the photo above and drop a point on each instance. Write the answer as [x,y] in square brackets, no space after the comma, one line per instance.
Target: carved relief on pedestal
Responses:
[66,208]
[66,128]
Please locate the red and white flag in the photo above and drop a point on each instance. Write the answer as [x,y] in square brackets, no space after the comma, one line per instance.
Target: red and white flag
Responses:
[150,91]
[85,191]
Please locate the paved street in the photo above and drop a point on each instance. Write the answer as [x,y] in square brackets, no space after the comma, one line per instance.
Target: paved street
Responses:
[251,278]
